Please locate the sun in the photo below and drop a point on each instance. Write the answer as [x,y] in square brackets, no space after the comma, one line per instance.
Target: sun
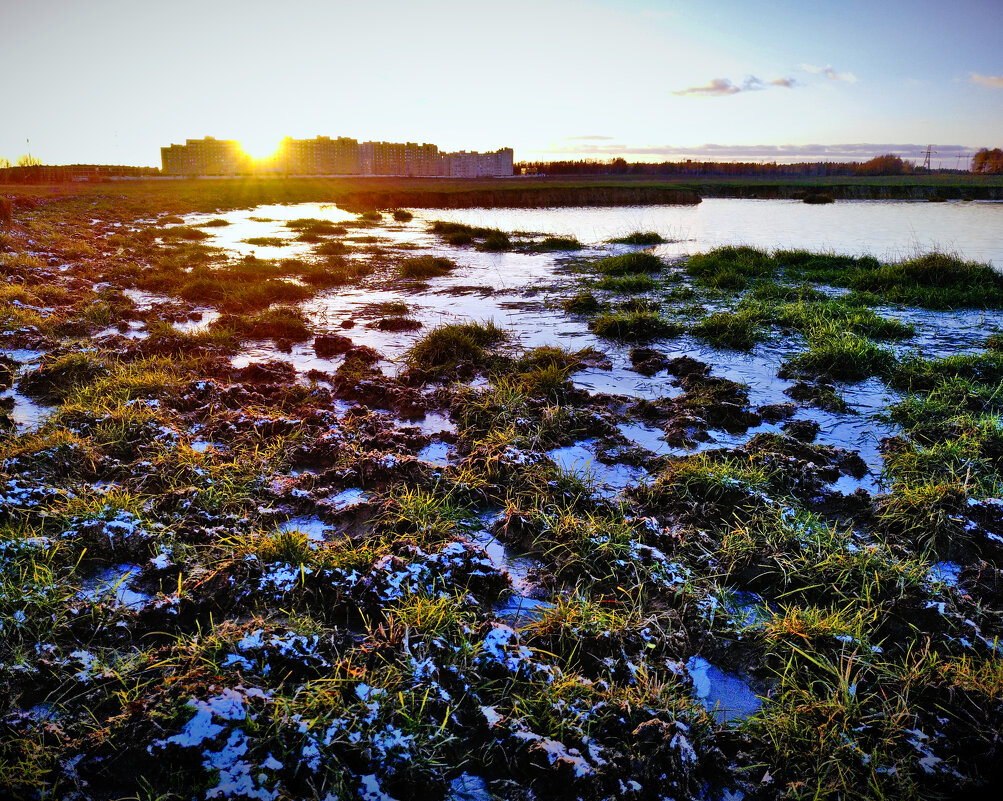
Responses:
[259,148]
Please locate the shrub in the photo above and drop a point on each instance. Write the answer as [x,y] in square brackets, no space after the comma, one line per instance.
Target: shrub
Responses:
[402,215]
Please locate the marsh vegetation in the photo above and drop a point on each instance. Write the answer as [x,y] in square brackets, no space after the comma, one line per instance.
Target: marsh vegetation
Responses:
[452,512]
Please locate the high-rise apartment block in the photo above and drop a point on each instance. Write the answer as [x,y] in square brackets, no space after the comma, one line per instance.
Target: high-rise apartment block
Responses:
[205,157]
[326,156]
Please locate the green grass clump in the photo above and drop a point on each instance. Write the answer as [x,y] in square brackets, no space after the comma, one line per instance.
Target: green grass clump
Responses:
[821,317]
[557,243]
[583,302]
[370,216]
[994,342]
[841,356]
[425,267]
[453,343]
[331,248]
[730,268]
[639,238]
[183,232]
[917,374]
[629,263]
[928,515]
[632,282]
[935,281]
[215,223]
[739,330]
[311,225]
[634,326]
[231,294]
[402,215]
[277,323]
[495,241]
[266,241]
[56,378]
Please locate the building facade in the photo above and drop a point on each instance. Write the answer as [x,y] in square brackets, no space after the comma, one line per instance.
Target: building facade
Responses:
[320,156]
[205,157]
[326,156]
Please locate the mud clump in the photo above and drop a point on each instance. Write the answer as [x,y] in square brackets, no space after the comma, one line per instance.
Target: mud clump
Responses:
[328,345]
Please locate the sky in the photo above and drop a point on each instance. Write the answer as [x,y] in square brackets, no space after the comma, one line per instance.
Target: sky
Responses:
[112,81]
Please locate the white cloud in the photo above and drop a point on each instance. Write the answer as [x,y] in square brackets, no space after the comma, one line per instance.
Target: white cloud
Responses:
[722,87]
[992,81]
[829,73]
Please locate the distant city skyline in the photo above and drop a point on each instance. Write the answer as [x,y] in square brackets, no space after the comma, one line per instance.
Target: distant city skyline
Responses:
[109,81]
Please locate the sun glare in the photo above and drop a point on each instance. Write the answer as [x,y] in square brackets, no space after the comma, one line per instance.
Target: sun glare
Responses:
[259,149]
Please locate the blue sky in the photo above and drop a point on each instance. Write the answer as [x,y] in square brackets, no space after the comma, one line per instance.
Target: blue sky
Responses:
[110,81]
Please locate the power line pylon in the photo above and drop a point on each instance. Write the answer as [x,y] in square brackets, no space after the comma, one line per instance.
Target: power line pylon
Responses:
[926,157]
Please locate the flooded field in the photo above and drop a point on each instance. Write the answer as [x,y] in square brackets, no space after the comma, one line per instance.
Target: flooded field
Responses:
[665,502]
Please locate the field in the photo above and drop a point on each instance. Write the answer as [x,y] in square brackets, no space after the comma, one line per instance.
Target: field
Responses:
[317,511]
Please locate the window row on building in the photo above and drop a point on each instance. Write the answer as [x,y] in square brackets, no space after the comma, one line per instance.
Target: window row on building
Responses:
[326,156]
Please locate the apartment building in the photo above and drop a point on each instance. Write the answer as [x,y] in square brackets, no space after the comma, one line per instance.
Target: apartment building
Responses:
[479,165]
[326,156]
[320,156]
[207,156]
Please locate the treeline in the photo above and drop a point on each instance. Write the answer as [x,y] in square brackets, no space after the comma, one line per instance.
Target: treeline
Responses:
[988,162]
[881,165]
[65,173]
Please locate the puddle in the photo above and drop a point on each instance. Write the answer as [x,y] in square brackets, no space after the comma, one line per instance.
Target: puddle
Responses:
[728,696]
[143,300]
[346,499]
[647,437]
[467,787]
[23,355]
[314,528]
[946,573]
[517,607]
[579,460]
[437,453]
[746,609]
[209,316]
[435,423]
[26,414]
[113,583]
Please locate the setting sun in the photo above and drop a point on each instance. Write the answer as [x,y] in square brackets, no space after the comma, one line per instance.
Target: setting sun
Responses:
[259,148]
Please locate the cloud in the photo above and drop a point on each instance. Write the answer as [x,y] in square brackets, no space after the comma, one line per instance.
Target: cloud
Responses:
[722,87]
[992,81]
[719,87]
[587,138]
[829,73]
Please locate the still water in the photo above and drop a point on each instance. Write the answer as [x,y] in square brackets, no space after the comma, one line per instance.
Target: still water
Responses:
[886,229]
